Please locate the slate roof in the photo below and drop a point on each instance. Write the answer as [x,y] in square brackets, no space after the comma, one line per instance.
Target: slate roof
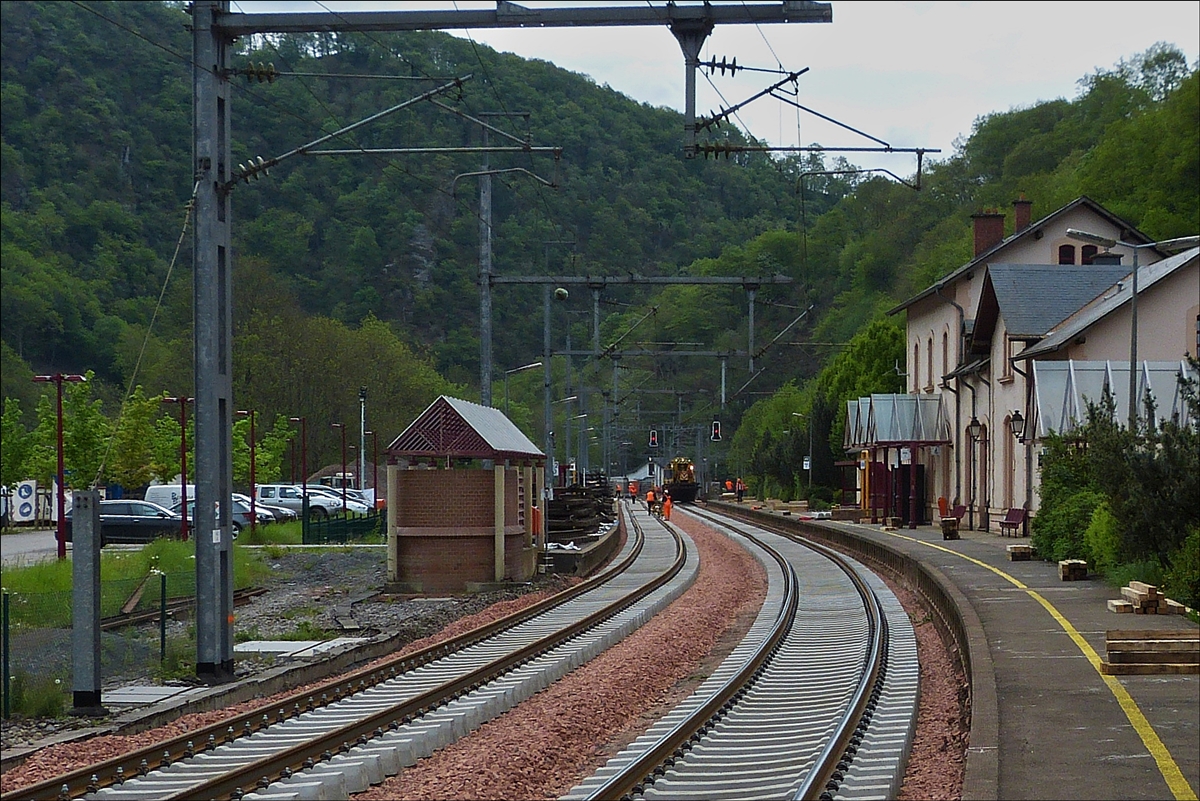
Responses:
[455,428]
[1132,235]
[1033,298]
[1089,315]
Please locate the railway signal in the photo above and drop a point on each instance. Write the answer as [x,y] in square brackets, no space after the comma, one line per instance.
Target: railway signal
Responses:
[716,431]
[654,438]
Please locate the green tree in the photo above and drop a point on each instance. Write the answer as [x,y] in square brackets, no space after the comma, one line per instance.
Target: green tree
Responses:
[14,444]
[131,460]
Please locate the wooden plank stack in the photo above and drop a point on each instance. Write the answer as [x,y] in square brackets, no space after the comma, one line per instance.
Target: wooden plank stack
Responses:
[1146,599]
[1151,651]
[1072,570]
[1019,552]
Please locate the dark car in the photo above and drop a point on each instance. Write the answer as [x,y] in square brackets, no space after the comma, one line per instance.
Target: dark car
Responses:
[240,518]
[133,522]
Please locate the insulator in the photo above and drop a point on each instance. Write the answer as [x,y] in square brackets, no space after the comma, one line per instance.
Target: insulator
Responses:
[94,784]
[120,777]
[64,793]
[143,768]
[166,759]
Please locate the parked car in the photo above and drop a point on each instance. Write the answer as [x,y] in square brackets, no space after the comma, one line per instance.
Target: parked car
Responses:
[239,519]
[268,513]
[133,522]
[354,503]
[320,504]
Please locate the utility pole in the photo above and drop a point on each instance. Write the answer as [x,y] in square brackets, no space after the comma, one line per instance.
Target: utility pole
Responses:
[214,29]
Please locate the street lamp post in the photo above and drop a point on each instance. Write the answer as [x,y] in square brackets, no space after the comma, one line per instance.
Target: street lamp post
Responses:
[1016,424]
[1166,244]
[303,421]
[374,467]
[253,509]
[507,373]
[810,446]
[362,435]
[61,525]
[342,426]
[973,430]
[183,482]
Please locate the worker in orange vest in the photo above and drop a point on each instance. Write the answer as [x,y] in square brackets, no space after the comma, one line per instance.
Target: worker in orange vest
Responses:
[667,507]
[650,499]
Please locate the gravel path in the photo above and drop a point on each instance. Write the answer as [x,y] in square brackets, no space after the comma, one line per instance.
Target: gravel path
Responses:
[548,744]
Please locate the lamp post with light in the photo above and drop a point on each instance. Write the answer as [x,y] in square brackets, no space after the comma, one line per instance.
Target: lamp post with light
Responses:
[973,430]
[374,467]
[61,525]
[253,510]
[810,446]
[342,426]
[507,373]
[1016,424]
[183,482]
[1179,243]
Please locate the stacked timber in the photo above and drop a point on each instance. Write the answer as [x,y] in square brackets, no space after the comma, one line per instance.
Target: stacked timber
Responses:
[1072,570]
[578,514]
[1146,600]
[1019,552]
[1151,652]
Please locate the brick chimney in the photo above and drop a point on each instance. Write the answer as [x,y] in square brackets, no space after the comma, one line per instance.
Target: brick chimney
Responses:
[1022,214]
[989,229]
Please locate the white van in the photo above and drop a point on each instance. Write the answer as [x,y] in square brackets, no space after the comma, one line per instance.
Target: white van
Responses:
[169,495]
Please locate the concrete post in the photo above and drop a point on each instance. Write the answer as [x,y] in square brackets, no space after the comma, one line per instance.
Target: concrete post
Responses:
[393,542]
[85,598]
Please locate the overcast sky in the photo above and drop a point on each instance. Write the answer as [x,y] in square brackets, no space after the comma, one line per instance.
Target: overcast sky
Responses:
[914,74]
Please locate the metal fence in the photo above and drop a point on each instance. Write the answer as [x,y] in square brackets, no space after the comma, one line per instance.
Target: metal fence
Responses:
[343,528]
[142,634]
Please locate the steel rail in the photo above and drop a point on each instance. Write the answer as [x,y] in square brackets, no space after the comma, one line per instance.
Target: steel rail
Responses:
[115,770]
[283,764]
[828,769]
[692,728]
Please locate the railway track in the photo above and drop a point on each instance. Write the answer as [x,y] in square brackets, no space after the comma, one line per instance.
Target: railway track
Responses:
[819,700]
[340,738]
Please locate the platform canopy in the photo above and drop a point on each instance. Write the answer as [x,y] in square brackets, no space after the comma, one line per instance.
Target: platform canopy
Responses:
[1064,388]
[459,429]
[894,421]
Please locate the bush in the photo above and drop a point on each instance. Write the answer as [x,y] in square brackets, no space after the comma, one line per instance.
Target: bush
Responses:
[1058,531]
[1102,539]
[1182,579]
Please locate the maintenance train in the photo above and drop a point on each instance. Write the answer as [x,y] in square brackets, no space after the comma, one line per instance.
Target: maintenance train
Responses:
[680,480]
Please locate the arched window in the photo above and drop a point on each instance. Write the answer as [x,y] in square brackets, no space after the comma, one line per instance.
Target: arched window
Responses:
[916,367]
[1087,253]
[929,365]
[945,352]
[1066,254]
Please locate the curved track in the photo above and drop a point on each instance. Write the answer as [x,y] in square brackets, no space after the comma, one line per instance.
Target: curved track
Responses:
[342,736]
[818,701]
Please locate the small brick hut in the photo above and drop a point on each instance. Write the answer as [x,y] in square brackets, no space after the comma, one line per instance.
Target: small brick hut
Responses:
[463,488]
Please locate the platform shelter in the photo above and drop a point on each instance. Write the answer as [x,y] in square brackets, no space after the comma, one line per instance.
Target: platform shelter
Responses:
[896,437]
[464,489]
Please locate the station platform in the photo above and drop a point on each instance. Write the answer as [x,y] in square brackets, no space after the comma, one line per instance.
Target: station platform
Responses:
[1047,724]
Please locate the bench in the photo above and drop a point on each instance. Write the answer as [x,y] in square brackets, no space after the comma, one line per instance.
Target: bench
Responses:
[1013,523]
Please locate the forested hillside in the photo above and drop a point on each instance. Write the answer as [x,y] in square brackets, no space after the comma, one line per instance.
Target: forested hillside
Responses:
[362,270]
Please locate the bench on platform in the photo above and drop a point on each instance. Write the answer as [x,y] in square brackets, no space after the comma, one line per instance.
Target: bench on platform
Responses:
[1014,522]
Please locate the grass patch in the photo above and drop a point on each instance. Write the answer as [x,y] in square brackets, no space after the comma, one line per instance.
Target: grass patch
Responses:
[307,630]
[41,592]
[290,533]
[37,696]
